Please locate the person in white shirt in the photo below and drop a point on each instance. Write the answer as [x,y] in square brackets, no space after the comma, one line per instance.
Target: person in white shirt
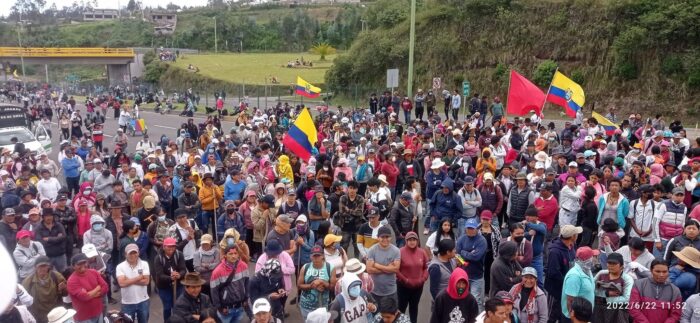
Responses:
[456,102]
[144,145]
[48,186]
[134,276]
[186,233]
[644,216]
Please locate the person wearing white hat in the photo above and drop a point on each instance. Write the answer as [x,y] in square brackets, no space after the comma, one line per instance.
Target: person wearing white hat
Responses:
[61,315]
[261,312]
[134,276]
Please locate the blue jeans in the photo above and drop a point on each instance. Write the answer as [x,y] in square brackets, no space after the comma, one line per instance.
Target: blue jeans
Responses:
[686,282]
[407,116]
[538,264]
[476,288]
[659,254]
[166,296]
[234,315]
[137,311]
[203,221]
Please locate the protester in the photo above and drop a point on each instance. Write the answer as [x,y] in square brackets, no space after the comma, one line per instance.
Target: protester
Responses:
[656,290]
[455,302]
[86,289]
[190,304]
[46,286]
[133,275]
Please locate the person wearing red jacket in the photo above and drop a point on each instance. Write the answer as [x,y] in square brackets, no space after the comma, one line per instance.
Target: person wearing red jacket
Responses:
[407,106]
[412,275]
[86,289]
[391,171]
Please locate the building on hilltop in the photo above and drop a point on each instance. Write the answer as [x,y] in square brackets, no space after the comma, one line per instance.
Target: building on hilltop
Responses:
[164,22]
[100,14]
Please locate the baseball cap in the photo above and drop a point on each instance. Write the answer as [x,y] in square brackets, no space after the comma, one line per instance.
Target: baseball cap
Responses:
[90,250]
[384,231]
[169,242]
[486,214]
[269,199]
[504,296]
[206,238]
[585,253]
[285,218]
[317,250]
[529,271]
[472,223]
[302,218]
[131,248]
[568,231]
[372,212]
[468,180]
[23,234]
[78,258]
[406,196]
[573,164]
[332,238]
[261,305]
[678,190]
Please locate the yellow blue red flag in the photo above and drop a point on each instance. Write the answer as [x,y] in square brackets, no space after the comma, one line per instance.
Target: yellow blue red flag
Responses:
[304,88]
[302,136]
[567,94]
[608,125]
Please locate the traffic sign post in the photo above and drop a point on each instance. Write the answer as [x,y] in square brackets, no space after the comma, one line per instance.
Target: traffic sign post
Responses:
[392,79]
[465,94]
[437,83]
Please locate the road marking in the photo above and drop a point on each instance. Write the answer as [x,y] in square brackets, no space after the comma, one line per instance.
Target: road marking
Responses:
[166,127]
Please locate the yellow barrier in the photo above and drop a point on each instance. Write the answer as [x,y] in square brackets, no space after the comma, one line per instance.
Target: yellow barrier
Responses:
[66,52]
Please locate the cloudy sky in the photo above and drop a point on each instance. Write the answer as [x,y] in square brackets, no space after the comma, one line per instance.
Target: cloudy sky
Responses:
[5,5]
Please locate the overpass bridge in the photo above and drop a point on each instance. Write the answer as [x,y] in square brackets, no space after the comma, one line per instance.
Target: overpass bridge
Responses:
[117,60]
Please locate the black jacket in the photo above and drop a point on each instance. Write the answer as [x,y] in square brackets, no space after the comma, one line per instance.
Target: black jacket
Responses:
[401,219]
[56,243]
[186,306]
[162,266]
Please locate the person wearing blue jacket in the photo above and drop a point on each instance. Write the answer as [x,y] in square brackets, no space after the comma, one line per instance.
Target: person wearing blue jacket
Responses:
[536,232]
[472,248]
[562,252]
[234,186]
[445,204]
[71,169]
[433,180]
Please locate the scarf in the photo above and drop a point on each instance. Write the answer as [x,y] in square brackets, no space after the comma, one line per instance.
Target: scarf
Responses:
[531,303]
[360,173]
[586,265]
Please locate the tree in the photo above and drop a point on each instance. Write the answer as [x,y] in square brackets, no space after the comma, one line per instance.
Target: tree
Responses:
[323,49]
[27,9]
[131,6]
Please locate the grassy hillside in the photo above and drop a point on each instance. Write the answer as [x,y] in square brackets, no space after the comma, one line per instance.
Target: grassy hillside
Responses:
[257,68]
[634,54]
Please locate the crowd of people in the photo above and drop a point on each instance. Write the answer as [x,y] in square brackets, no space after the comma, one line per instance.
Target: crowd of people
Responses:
[509,220]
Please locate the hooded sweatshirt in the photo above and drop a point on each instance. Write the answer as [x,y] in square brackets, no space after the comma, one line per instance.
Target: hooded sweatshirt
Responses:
[351,310]
[82,195]
[450,306]
[446,205]
[102,239]
[503,269]
[284,170]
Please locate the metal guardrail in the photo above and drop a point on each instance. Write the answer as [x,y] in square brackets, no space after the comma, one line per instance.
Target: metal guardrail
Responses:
[66,52]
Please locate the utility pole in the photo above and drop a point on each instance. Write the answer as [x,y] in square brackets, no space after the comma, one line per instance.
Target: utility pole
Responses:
[216,46]
[19,42]
[411,49]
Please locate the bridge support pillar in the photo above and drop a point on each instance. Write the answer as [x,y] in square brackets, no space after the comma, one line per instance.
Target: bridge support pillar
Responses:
[119,74]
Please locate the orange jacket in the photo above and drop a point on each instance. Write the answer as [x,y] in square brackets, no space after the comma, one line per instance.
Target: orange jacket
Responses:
[210,196]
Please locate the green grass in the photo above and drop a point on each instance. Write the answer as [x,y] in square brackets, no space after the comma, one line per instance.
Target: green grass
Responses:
[256,68]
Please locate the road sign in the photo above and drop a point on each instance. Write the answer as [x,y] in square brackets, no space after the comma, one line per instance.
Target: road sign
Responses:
[392,78]
[465,88]
[437,83]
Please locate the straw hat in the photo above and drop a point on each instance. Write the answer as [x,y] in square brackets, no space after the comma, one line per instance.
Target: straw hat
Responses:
[60,314]
[382,178]
[690,256]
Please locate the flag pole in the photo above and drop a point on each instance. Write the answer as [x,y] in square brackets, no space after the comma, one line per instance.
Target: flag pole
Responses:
[510,77]
[547,94]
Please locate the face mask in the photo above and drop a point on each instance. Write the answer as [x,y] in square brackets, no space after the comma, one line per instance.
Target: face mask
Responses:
[87,192]
[362,131]
[325,168]
[393,159]
[301,229]
[352,156]
[97,226]
[586,265]
[518,239]
[161,218]
[460,291]
[354,291]
[230,241]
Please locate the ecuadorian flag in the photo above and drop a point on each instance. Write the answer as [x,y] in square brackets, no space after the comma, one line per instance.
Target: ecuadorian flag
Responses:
[302,136]
[566,93]
[304,88]
[608,125]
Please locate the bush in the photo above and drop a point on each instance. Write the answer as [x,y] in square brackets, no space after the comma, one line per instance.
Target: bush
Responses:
[544,73]
[626,70]
[578,77]
[671,65]
[154,71]
[458,79]
[500,72]
[694,77]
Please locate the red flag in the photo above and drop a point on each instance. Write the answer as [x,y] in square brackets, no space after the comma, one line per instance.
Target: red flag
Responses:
[523,96]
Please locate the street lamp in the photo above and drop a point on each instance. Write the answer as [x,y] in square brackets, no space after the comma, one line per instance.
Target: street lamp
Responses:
[216,45]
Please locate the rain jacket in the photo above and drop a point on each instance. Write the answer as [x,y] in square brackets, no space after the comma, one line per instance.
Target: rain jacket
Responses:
[284,169]
[450,306]
[446,205]
[101,239]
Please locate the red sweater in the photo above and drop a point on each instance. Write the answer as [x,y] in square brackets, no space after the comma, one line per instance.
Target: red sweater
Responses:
[391,172]
[78,288]
[547,209]
[414,267]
